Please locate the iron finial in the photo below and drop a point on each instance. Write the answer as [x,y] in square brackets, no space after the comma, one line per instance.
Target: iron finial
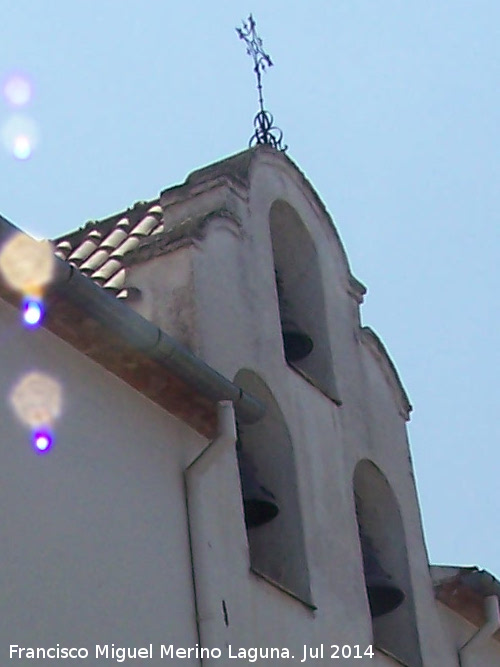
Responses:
[265,131]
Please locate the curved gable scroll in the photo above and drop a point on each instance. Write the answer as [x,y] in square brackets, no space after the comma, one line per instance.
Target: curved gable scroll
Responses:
[299,192]
[378,351]
[239,170]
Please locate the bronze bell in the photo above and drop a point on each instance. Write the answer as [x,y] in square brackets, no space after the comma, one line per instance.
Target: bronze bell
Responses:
[259,504]
[297,344]
[383,595]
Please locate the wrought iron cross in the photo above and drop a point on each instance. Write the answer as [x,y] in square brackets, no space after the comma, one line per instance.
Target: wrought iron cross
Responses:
[265,131]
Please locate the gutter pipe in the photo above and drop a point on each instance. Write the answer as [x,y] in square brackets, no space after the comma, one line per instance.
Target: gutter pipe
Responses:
[155,343]
[492,624]
[146,336]
[203,584]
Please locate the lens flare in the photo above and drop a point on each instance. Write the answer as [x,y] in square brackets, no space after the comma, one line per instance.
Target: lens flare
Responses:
[37,400]
[42,440]
[20,136]
[32,312]
[27,265]
[17,90]
[21,147]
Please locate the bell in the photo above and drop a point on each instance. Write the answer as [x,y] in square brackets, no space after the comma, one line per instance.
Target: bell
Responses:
[383,595]
[259,504]
[296,343]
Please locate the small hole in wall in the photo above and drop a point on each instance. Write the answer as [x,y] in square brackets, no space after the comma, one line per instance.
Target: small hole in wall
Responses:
[224,611]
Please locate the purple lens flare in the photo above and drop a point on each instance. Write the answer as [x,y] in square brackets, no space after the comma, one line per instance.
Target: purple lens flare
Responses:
[42,440]
[32,312]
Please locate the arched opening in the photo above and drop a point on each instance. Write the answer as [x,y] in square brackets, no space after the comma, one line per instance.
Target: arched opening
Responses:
[301,299]
[276,546]
[385,565]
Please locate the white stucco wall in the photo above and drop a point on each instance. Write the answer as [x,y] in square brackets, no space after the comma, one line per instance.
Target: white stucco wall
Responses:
[94,546]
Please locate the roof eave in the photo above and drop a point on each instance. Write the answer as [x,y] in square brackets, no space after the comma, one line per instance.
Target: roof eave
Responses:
[463,589]
[112,334]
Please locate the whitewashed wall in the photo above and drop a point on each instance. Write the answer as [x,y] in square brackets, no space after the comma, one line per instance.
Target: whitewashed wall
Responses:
[94,546]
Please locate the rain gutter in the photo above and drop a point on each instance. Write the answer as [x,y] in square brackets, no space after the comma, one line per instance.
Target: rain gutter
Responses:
[145,336]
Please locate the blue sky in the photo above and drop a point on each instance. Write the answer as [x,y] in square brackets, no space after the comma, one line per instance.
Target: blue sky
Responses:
[390,108]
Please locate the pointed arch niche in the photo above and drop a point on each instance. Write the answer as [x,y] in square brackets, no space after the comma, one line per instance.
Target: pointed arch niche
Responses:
[382,534]
[277,549]
[301,294]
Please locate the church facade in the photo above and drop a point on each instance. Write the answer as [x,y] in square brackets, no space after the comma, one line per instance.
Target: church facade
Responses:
[231,477]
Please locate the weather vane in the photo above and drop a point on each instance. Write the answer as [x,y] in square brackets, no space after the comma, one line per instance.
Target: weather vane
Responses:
[265,131]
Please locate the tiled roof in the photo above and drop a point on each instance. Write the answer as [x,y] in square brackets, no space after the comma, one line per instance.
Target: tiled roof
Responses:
[99,248]
[103,249]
